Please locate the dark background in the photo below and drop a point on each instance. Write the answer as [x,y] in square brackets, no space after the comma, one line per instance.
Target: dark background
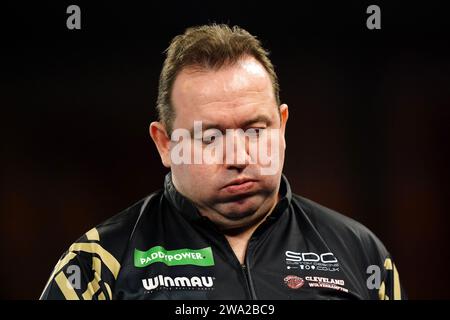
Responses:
[367,134]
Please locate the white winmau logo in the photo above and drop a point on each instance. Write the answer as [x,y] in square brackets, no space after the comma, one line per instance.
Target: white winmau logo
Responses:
[180,282]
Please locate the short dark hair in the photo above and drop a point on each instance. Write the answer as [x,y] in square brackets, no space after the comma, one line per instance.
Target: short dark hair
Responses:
[209,47]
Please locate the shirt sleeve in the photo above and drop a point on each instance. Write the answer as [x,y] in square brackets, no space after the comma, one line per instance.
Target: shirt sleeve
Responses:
[391,288]
[86,271]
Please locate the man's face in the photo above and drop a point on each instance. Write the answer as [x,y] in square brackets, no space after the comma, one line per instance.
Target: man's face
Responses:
[232,194]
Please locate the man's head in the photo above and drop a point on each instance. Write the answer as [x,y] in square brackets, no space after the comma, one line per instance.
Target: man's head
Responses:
[223,78]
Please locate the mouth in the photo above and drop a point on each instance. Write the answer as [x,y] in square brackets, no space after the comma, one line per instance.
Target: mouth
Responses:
[240,185]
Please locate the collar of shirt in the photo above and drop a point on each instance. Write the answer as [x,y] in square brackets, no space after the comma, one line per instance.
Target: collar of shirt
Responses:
[187,208]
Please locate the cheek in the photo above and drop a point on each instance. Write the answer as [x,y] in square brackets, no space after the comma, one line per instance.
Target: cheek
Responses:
[192,175]
[270,182]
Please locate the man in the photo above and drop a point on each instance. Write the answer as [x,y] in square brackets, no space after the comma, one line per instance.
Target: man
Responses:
[226,225]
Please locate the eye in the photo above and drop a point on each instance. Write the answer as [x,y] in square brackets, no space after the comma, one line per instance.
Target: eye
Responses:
[210,136]
[208,139]
[254,132]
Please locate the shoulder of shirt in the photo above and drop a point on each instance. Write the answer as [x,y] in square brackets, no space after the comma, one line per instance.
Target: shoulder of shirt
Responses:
[99,254]
[335,227]
[354,242]
[111,237]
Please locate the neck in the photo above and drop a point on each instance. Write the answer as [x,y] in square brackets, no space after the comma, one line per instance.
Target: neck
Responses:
[239,238]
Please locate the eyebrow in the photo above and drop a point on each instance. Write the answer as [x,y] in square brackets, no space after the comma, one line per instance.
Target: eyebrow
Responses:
[246,123]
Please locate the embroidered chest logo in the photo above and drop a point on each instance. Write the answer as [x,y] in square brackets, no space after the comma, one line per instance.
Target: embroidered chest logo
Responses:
[311,261]
[197,257]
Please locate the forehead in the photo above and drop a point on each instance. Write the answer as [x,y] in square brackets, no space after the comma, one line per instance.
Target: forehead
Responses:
[229,93]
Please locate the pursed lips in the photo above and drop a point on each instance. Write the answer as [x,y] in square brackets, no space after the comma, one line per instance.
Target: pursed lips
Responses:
[239,185]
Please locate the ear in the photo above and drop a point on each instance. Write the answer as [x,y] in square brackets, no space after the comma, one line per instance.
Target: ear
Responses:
[162,141]
[284,112]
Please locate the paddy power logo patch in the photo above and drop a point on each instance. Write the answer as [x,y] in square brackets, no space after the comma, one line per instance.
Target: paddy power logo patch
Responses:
[197,257]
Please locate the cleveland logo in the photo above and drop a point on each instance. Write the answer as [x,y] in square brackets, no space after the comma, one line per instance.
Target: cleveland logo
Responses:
[294,282]
[178,282]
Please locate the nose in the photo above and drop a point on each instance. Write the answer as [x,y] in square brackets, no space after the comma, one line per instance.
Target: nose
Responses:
[237,155]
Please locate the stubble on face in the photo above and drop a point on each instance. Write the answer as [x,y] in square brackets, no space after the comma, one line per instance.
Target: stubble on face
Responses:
[227,99]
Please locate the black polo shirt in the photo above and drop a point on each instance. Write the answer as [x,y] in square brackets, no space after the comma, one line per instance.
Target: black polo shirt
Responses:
[162,248]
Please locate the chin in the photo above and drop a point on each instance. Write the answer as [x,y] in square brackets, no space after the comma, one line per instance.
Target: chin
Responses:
[240,209]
